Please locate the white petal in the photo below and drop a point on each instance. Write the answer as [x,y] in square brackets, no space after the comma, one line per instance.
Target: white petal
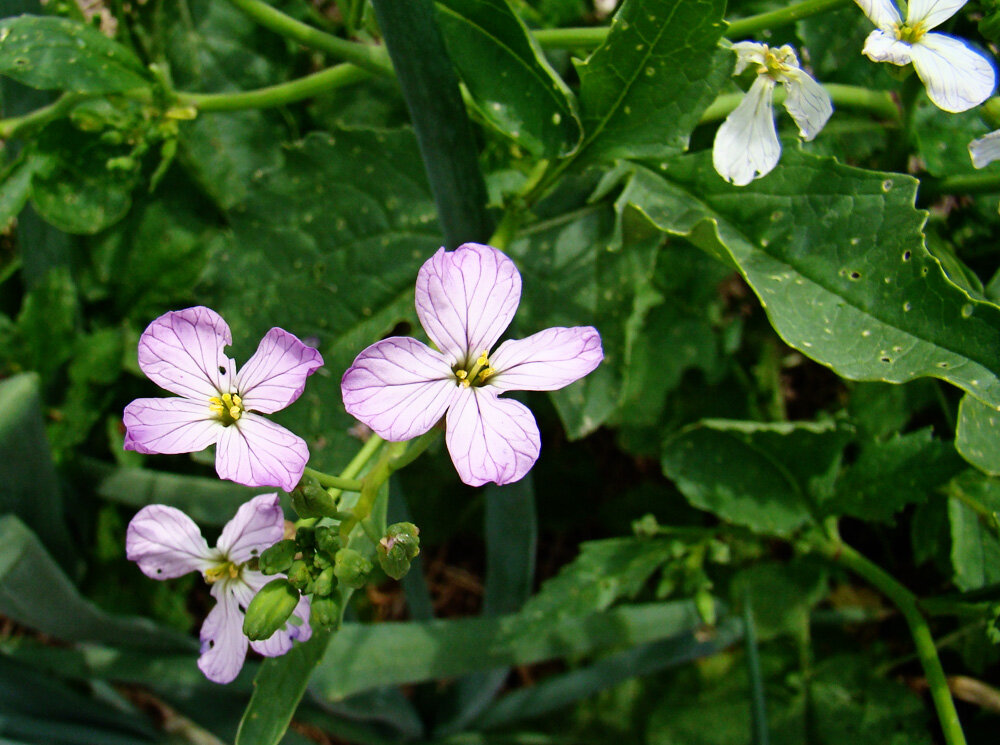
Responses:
[885,47]
[169,426]
[276,374]
[880,12]
[546,361]
[748,53]
[957,76]
[808,103]
[223,645]
[257,452]
[985,150]
[931,13]
[257,525]
[166,543]
[746,145]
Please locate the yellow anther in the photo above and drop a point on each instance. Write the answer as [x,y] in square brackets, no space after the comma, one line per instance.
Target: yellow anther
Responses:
[910,34]
[485,373]
[462,374]
[228,407]
[219,571]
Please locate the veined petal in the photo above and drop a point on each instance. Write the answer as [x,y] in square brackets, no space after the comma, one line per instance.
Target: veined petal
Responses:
[985,150]
[166,543]
[882,13]
[748,53]
[546,361]
[281,640]
[258,524]
[257,452]
[181,351]
[223,645]
[881,46]
[399,387]
[276,374]
[957,77]
[466,298]
[169,425]
[808,103]
[491,439]
[931,13]
[746,145]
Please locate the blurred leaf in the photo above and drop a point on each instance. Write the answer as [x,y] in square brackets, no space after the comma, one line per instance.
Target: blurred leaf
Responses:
[781,595]
[978,436]
[56,53]
[644,89]
[15,186]
[48,323]
[767,477]
[942,139]
[974,516]
[513,85]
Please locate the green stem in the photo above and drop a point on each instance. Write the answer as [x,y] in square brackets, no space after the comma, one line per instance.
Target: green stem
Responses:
[327,481]
[852,97]
[758,705]
[906,601]
[972,183]
[18,125]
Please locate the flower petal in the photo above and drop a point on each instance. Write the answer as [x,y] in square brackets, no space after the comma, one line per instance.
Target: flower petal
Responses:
[881,12]
[276,374]
[808,103]
[546,361]
[399,387]
[181,351]
[281,640]
[258,452]
[491,439]
[746,145]
[931,13]
[169,425]
[258,524]
[466,298]
[749,53]
[985,150]
[885,47]
[166,543]
[223,645]
[957,76]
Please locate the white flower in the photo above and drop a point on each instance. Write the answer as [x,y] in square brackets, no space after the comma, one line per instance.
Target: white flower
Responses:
[956,76]
[746,145]
[985,150]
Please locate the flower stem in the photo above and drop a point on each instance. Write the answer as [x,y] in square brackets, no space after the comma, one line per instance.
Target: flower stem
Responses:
[838,551]
[337,482]
[852,97]
[18,125]
[359,461]
[970,183]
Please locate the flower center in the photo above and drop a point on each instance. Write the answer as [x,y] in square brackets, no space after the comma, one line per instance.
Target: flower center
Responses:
[221,571]
[478,374]
[910,34]
[228,408]
[780,61]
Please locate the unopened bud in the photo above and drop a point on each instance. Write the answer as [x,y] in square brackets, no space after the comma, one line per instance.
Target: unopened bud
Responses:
[278,558]
[325,582]
[325,612]
[351,568]
[299,575]
[310,499]
[398,548]
[270,609]
[328,540]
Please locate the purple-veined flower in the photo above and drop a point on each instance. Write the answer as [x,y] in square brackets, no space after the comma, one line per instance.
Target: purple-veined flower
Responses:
[465,300]
[166,543]
[182,352]
[957,77]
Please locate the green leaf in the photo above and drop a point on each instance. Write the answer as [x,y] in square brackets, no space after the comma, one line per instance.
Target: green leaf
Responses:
[974,516]
[781,595]
[848,284]
[767,477]
[643,90]
[14,190]
[514,87]
[48,323]
[978,436]
[56,53]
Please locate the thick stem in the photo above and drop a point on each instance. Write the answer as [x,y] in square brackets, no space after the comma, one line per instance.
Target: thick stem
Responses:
[336,482]
[18,125]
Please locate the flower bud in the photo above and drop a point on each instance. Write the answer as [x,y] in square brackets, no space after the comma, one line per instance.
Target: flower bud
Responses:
[398,548]
[328,539]
[278,558]
[325,612]
[325,582]
[270,609]
[310,499]
[351,568]
[299,575]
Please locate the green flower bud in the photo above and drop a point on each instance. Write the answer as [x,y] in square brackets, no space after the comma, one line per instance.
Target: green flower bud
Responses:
[325,612]
[299,575]
[328,540]
[310,499]
[325,582]
[398,548]
[278,558]
[351,568]
[270,609]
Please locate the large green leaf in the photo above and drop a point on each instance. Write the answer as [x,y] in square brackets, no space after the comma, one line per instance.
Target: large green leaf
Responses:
[974,517]
[513,85]
[56,53]
[978,435]
[836,256]
[768,477]
[644,89]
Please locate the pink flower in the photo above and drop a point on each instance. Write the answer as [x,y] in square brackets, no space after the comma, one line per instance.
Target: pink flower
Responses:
[166,543]
[182,352]
[465,299]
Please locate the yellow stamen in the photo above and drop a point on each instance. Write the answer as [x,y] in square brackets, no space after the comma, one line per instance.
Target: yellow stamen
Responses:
[910,34]
[479,372]
[487,372]
[219,571]
[228,407]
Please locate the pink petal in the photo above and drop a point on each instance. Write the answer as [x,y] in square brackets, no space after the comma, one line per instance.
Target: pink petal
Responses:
[466,298]
[169,425]
[181,351]
[399,387]
[546,361]
[166,543]
[223,645]
[276,374]
[281,640]
[491,439]
[258,452]
[258,524]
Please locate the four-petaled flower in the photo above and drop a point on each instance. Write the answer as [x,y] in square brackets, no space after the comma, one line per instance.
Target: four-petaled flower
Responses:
[956,76]
[746,145]
[166,543]
[182,352]
[465,299]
